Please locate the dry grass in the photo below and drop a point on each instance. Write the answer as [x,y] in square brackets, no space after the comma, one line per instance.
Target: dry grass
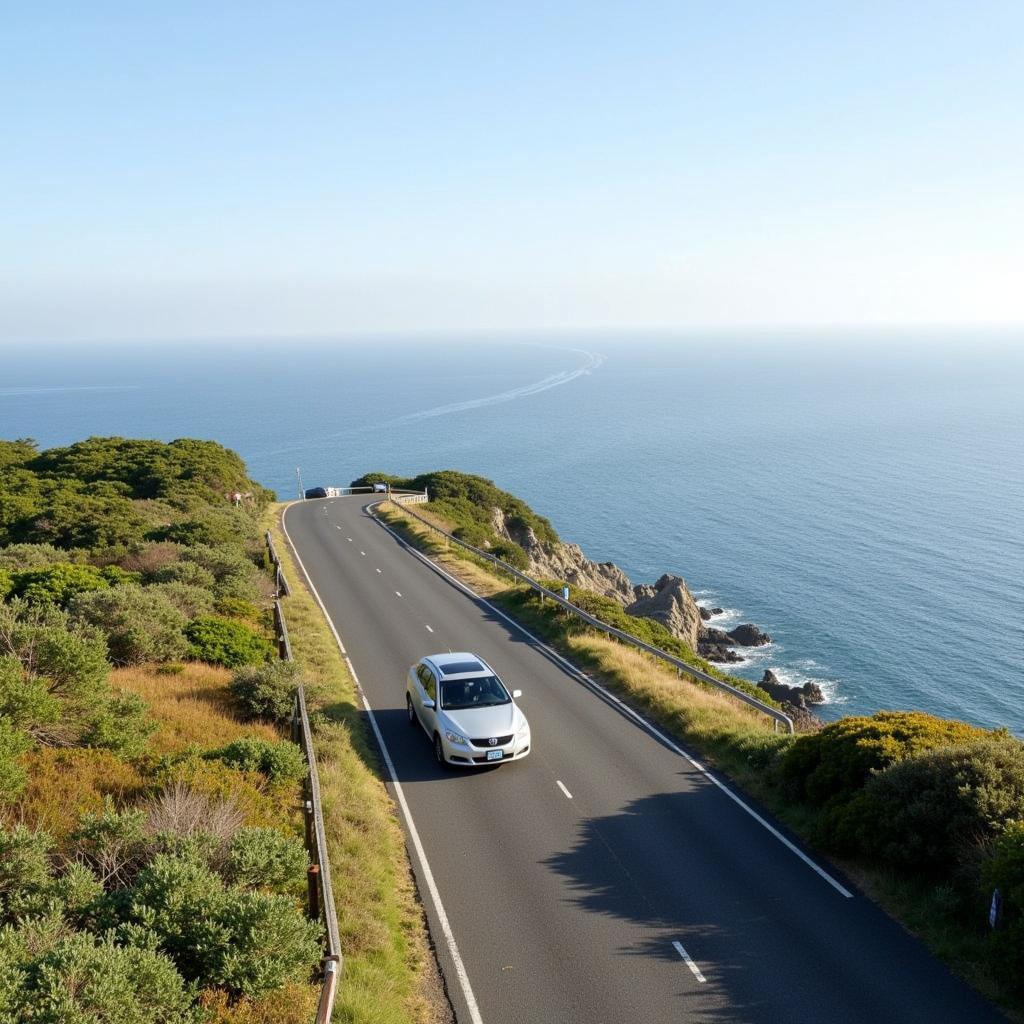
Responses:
[390,974]
[473,571]
[64,783]
[193,707]
[292,1004]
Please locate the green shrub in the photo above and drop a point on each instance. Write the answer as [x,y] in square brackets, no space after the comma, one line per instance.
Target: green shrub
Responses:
[58,584]
[112,843]
[141,624]
[247,942]
[279,761]
[24,868]
[512,553]
[268,690]
[85,980]
[934,809]
[833,764]
[13,743]
[230,644]
[214,526]
[34,556]
[1005,871]
[236,608]
[187,573]
[190,600]
[121,724]
[265,857]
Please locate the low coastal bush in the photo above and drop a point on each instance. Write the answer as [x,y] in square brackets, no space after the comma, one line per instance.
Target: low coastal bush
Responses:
[834,764]
[936,808]
[268,690]
[58,584]
[280,761]
[221,935]
[140,623]
[265,858]
[82,979]
[1004,871]
[221,642]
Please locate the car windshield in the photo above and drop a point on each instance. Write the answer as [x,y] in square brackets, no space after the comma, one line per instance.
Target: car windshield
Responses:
[478,692]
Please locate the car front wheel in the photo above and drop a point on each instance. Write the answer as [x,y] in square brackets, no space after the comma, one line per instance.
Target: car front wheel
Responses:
[439,751]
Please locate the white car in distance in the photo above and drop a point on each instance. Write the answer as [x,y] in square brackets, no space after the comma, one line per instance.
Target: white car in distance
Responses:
[465,709]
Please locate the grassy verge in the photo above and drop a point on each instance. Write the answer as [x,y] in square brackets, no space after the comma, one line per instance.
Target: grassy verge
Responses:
[389,974]
[727,734]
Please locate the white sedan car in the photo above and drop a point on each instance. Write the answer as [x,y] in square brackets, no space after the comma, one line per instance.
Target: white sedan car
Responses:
[465,709]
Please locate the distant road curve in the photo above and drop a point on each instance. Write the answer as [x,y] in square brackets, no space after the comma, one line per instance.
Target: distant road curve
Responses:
[605,879]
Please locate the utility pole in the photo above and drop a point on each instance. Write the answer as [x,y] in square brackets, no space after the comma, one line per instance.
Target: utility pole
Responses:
[298,476]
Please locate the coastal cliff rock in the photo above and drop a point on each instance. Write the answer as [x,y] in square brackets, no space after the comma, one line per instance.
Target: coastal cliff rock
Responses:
[565,562]
[669,602]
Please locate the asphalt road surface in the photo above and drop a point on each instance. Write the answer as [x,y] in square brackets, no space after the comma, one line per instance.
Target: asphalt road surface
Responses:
[606,878]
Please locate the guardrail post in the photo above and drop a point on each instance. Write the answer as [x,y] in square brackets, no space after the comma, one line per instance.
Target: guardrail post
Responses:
[313,887]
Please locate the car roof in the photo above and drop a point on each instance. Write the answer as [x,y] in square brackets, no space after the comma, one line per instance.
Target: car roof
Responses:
[454,664]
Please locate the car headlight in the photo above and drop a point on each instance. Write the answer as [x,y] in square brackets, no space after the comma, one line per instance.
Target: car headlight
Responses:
[454,737]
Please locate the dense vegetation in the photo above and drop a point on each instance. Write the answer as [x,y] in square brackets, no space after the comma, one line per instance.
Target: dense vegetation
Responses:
[465,501]
[150,865]
[930,810]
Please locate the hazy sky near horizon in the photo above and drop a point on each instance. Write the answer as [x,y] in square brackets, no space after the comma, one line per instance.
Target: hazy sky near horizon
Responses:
[195,169]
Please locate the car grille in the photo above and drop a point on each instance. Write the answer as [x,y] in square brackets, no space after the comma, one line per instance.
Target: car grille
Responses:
[486,741]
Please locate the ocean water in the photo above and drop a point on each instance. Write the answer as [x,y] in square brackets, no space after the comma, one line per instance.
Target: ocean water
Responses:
[859,497]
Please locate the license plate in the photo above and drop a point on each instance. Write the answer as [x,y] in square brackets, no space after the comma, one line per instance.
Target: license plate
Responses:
[494,755]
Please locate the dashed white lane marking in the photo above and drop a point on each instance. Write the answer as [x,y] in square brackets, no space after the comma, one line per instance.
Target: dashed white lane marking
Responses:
[430,629]
[349,539]
[362,552]
[689,962]
[398,593]
[380,571]
[561,786]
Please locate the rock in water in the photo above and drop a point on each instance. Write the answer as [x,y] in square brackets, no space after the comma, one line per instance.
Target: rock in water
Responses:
[798,696]
[748,635]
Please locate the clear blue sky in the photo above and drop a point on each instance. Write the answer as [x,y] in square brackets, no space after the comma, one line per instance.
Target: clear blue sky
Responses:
[228,168]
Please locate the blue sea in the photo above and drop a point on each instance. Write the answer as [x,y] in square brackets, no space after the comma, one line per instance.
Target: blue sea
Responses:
[860,497]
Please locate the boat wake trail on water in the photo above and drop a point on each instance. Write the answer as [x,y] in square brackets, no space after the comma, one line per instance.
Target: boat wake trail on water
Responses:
[593,361]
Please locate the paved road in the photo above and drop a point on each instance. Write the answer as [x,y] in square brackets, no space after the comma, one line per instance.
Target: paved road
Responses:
[574,881]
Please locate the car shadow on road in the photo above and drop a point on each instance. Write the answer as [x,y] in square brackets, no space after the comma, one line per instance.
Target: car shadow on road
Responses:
[409,750]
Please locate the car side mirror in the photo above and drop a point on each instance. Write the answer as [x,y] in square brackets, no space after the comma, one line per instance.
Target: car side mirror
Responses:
[428,703]
[517,693]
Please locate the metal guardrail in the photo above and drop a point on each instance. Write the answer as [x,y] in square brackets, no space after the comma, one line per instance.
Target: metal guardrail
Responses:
[320,892]
[280,583]
[681,667]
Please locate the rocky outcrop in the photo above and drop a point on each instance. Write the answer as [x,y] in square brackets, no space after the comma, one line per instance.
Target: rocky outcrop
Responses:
[798,696]
[748,635]
[565,562]
[669,602]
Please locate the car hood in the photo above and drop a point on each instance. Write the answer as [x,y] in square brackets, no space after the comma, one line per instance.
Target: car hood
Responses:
[480,722]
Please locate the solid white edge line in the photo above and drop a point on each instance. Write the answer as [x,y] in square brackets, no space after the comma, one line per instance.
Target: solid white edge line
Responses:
[626,709]
[561,786]
[688,960]
[428,875]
